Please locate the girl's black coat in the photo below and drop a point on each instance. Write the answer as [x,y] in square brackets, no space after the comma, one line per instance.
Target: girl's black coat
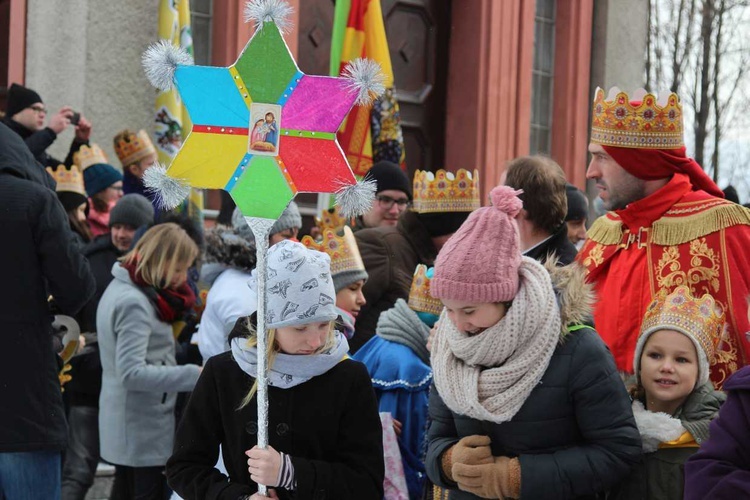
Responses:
[329,425]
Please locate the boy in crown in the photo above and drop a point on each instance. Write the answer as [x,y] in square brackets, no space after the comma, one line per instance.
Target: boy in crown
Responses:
[137,154]
[673,401]
[668,225]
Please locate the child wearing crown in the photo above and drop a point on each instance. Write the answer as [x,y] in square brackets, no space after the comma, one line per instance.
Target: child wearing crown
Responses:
[673,400]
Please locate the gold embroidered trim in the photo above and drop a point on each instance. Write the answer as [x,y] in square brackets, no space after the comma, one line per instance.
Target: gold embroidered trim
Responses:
[669,231]
[679,230]
[606,231]
[695,206]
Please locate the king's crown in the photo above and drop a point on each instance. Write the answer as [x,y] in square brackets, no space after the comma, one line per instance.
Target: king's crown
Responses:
[87,156]
[445,191]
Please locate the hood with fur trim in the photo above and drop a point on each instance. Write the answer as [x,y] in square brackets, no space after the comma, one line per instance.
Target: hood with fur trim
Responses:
[575,297]
[225,246]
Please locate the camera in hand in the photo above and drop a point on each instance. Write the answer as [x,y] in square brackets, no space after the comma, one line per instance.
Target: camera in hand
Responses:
[75,118]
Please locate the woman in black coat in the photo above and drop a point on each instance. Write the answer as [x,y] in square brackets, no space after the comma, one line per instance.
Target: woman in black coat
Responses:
[324,432]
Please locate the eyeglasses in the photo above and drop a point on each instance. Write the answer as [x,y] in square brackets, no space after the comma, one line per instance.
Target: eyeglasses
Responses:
[38,109]
[387,202]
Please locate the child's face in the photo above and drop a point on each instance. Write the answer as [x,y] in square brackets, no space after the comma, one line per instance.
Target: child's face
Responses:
[669,368]
[350,298]
[473,318]
[302,339]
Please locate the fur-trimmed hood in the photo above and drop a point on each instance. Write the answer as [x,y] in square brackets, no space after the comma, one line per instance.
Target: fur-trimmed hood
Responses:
[226,247]
[575,297]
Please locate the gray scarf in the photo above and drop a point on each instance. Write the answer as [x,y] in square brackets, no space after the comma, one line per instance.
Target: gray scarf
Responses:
[402,325]
[290,370]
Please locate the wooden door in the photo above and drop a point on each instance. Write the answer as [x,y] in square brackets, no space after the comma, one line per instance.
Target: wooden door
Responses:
[417,32]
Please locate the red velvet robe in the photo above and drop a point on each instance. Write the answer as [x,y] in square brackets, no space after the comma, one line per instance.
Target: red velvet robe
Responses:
[674,236]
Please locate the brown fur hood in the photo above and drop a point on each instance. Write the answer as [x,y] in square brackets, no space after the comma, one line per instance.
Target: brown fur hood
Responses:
[575,297]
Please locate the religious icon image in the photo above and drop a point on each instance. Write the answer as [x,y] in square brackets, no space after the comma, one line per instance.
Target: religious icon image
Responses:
[264,129]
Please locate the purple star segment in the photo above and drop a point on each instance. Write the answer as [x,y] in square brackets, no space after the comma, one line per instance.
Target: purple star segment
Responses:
[217,153]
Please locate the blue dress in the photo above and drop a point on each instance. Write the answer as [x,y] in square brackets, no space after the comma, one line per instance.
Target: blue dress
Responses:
[402,382]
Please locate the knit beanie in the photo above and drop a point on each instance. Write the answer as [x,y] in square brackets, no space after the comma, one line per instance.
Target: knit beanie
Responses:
[299,287]
[577,204]
[699,319]
[288,219]
[388,175]
[20,98]
[71,200]
[99,177]
[479,263]
[132,209]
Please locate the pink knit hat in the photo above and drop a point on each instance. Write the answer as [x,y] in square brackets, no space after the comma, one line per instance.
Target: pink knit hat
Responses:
[480,262]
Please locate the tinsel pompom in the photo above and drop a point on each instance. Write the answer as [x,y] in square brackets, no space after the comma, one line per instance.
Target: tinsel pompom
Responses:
[356,199]
[160,61]
[366,79]
[506,199]
[278,12]
[169,191]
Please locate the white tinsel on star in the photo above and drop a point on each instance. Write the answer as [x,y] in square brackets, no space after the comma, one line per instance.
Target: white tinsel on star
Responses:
[356,199]
[278,12]
[160,61]
[366,78]
[170,192]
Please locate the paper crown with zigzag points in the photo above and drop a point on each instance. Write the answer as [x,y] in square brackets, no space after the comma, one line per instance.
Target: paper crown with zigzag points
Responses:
[89,155]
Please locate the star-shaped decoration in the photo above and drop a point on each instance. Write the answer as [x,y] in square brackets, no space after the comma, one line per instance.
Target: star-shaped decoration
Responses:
[229,106]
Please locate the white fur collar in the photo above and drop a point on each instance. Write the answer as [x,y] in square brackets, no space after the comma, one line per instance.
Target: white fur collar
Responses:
[655,427]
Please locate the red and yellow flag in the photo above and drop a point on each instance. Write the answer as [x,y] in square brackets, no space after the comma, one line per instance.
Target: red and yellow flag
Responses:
[370,133]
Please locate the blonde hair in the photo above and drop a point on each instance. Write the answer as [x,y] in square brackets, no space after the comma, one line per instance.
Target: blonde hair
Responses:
[159,251]
[272,349]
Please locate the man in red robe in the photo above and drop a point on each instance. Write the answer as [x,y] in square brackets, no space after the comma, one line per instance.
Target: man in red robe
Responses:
[667,225]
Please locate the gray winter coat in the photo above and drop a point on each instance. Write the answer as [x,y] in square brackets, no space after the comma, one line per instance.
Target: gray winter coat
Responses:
[139,377]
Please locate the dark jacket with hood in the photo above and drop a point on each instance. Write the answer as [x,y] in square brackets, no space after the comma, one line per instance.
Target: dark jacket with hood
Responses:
[38,259]
[390,255]
[575,435]
[38,142]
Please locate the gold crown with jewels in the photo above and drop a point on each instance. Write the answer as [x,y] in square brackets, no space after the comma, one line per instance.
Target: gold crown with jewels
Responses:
[445,191]
[701,318]
[419,294]
[87,156]
[69,181]
[132,148]
[331,218]
[341,247]
[641,120]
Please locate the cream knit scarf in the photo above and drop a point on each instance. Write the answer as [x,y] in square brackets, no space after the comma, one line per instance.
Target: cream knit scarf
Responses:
[489,376]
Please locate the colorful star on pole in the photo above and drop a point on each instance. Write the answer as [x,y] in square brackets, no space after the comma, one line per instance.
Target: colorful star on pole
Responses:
[262,129]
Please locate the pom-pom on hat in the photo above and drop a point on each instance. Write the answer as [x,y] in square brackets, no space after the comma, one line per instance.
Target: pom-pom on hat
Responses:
[479,263]
[700,319]
[300,287]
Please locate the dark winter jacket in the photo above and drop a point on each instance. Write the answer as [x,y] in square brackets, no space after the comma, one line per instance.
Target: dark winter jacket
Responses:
[660,475]
[38,258]
[86,367]
[39,141]
[329,426]
[390,255]
[575,435]
[721,468]
[557,246]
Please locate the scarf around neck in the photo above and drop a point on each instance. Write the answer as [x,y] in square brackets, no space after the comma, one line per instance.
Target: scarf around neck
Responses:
[171,304]
[490,375]
[402,325]
[290,370]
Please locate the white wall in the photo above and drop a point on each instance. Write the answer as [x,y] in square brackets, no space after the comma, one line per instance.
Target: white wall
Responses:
[87,54]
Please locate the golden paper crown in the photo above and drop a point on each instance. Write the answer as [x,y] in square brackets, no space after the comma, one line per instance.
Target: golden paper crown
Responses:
[701,319]
[132,148]
[445,191]
[638,121]
[331,218]
[419,294]
[69,181]
[87,156]
[341,247]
